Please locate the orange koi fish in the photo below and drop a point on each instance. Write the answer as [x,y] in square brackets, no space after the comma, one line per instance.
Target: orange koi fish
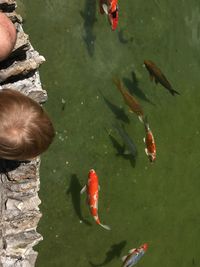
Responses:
[92,189]
[134,255]
[150,149]
[129,99]
[156,74]
[110,7]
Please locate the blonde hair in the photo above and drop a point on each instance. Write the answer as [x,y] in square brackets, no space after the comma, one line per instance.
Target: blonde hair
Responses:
[25,128]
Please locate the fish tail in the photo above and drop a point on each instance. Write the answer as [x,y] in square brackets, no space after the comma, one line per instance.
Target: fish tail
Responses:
[116,81]
[119,85]
[105,8]
[105,226]
[83,189]
[173,92]
[102,225]
[146,123]
[141,118]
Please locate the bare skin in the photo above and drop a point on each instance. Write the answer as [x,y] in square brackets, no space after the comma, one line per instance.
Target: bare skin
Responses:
[8,36]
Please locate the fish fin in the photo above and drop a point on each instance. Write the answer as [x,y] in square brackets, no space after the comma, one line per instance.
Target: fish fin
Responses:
[105,8]
[83,189]
[132,250]
[105,226]
[141,118]
[130,110]
[146,151]
[144,139]
[124,257]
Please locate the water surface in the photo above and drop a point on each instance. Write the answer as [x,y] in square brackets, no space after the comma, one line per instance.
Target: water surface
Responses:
[158,203]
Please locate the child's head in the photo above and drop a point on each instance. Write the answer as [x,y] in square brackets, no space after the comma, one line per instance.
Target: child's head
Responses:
[25,128]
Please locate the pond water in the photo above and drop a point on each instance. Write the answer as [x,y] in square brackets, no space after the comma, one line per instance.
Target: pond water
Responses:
[142,202]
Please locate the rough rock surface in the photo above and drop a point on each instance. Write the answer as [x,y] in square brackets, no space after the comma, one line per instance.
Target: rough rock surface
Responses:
[19,181]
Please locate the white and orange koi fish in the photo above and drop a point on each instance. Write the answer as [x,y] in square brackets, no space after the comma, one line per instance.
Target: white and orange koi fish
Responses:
[110,7]
[134,255]
[150,149]
[92,189]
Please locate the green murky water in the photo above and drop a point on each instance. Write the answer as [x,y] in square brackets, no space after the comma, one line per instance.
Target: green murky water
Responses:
[159,203]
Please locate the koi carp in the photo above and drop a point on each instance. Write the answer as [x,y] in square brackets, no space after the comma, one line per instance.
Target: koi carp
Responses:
[92,189]
[110,8]
[129,99]
[156,74]
[150,149]
[134,255]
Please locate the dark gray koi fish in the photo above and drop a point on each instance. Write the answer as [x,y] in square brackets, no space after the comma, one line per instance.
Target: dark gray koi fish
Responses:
[156,74]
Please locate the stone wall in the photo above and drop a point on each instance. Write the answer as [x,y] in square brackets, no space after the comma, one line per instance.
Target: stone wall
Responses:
[19,182]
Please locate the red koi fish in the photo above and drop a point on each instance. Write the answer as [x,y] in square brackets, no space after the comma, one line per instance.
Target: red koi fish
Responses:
[92,189]
[110,7]
[134,255]
[150,143]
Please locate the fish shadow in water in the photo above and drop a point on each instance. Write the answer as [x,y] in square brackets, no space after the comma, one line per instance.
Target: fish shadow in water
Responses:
[74,189]
[134,88]
[121,150]
[114,252]
[89,17]
[118,112]
[121,38]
